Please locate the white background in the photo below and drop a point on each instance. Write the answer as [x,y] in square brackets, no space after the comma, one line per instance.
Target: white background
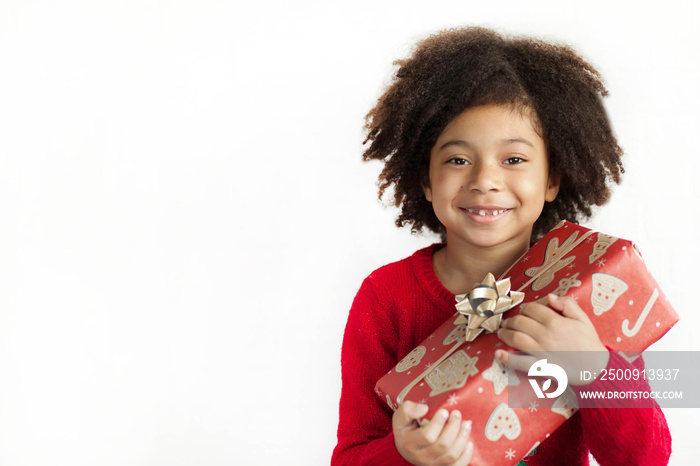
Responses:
[186,217]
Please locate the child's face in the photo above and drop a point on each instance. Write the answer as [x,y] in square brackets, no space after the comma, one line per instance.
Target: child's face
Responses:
[489,177]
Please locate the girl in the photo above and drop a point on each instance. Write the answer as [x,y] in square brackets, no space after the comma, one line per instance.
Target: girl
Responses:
[488,142]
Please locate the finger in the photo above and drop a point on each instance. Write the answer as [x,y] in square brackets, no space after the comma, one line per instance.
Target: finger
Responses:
[522,323]
[569,307]
[466,457]
[449,433]
[459,444]
[538,312]
[407,413]
[518,340]
[521,362]
[433,429]
[502,356]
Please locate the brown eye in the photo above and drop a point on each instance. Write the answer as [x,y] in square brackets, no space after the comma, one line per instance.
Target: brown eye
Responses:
[514,160]
[458,161]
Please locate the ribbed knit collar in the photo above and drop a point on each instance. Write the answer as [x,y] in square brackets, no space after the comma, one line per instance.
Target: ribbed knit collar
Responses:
[422,263]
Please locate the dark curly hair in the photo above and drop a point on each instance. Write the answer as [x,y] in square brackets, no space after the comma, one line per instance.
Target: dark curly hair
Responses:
[461,68]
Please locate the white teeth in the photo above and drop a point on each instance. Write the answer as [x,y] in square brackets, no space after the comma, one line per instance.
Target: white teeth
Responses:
[483,212]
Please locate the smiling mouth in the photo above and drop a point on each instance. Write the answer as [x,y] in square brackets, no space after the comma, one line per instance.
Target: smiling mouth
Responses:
[485,212]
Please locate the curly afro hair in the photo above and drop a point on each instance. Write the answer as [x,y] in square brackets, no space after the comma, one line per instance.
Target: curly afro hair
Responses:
[461,68]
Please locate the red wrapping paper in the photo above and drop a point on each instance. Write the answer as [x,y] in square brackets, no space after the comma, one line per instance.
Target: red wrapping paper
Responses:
[608,279]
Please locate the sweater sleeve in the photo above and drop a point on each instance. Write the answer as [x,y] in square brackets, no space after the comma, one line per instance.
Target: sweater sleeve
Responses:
[369,350]
[630,435]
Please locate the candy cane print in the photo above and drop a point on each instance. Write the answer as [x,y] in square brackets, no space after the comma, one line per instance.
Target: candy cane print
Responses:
[645,312]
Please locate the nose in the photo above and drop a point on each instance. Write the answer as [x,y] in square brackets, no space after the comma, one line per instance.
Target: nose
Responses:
[485,177]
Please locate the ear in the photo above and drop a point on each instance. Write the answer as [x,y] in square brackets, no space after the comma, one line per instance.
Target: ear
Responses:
[552,187]
[425,180]
[427,191]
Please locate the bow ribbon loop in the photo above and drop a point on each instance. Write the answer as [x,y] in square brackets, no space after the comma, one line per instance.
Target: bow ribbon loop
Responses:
[482,307]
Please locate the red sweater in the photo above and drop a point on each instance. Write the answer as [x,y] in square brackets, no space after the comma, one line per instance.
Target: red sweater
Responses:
[401,304]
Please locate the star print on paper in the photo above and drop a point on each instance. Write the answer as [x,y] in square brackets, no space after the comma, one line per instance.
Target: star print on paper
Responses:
[533,406]
[600,263]
[510,454]
[453,399]
[500,375]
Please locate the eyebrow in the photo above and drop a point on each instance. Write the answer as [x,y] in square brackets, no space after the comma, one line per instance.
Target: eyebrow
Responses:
[503,142]
[517,141]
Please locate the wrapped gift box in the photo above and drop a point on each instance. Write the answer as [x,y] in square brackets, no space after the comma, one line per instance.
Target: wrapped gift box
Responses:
[610,282]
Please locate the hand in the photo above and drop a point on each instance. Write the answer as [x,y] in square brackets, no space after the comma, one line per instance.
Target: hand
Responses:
[540,329]
[442,441]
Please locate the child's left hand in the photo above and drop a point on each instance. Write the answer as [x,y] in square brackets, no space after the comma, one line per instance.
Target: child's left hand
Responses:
[539,328]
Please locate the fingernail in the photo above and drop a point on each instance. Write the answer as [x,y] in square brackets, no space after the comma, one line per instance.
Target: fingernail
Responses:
[499,353]
[443,414]
[467,424]
[456,414]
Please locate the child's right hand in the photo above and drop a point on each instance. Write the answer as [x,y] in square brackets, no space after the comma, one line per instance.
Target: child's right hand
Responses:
[442,441]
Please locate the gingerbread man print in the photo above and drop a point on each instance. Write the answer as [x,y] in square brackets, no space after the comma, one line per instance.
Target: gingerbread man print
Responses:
[552,262]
